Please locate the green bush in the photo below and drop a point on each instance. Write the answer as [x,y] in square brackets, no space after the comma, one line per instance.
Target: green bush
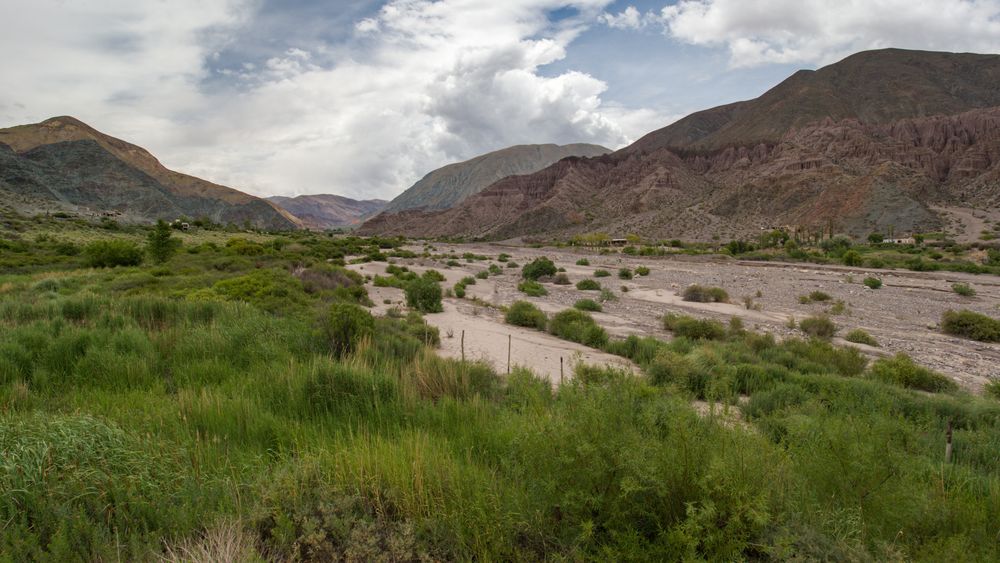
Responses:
[561,279]
[969,324]
[111,253]
[860,336]
[532,288]
[460,290]
[601,273]
[484,274]
[538,268]
[818,327]
[577,326]
[852,258]
[964,289]
[873,283]
[271,290]
[588,285]
[588,305]
[424,295]
[494,270]
[642,271]
[625,273]
[522,313]
[901,370]
[701,294]
[345,326]
[818,296]
[583,262]
[695,329]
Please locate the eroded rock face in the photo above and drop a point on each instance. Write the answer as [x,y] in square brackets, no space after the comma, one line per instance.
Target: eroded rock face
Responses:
[859,177]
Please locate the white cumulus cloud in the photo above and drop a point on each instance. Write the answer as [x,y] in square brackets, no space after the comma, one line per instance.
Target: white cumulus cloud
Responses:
[822,31]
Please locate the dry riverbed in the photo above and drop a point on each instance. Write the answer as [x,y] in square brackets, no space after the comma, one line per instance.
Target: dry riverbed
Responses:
[903,316]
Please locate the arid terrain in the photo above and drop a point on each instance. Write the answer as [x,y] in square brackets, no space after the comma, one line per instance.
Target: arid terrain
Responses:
[903,315]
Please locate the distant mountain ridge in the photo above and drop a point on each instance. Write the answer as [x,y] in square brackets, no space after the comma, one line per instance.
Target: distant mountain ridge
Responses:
[866,144]
[65,163]
[329,211]
[449,185]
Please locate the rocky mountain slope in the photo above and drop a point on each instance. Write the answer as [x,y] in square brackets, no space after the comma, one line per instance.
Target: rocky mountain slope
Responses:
[870,142]
[328,211]
[449,185]
[64,164]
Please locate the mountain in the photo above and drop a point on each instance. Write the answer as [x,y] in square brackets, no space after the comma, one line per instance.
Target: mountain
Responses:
[449,185]
[64,164]
[327,211]
[876,140]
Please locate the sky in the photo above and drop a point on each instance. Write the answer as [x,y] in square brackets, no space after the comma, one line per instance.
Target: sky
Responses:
[363,98]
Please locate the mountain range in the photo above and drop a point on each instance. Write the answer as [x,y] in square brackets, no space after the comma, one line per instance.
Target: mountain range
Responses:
[877,140]
[449,185]
[63,164]
[328,211]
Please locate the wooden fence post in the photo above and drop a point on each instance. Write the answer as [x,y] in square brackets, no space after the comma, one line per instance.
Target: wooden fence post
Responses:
[508,354]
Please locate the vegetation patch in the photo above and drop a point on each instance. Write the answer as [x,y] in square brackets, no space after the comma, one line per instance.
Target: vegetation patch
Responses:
[972,325]
[522,313]
[588,285]
[703,294]
[578,326]
[588,305]
[901,370]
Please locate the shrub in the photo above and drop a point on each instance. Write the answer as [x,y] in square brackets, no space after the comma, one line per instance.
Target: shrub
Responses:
[625,274]
[271,290]
[992,389]
[901,370]
[345,326]
[819,296]
[503,257]
[160,245]
[494,270]
[588,285]
[537,268]
[588,305]
[433,275]
[969,324]
[852,258]
[532,288]
[111,253]
[695,329]
[482,275]
[859,336]
[963,289]
[872,282]
[522,313]
[701,294]
[424,295]
[583,262]
[818,327]
[460,290]
[642,271]
[513,264]
[561,279]
[578,326]
[601,273]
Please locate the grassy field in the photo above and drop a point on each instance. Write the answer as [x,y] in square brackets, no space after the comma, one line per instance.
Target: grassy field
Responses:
[238,401]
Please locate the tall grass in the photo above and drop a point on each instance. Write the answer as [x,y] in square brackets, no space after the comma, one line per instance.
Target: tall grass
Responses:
[152,421]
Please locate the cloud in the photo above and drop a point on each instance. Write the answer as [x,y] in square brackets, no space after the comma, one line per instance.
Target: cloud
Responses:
[411,87]
[822,31]
[629,18]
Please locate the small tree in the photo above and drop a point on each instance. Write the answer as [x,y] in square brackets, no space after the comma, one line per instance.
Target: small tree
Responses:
[161,245]
[424,295]
[538,268]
